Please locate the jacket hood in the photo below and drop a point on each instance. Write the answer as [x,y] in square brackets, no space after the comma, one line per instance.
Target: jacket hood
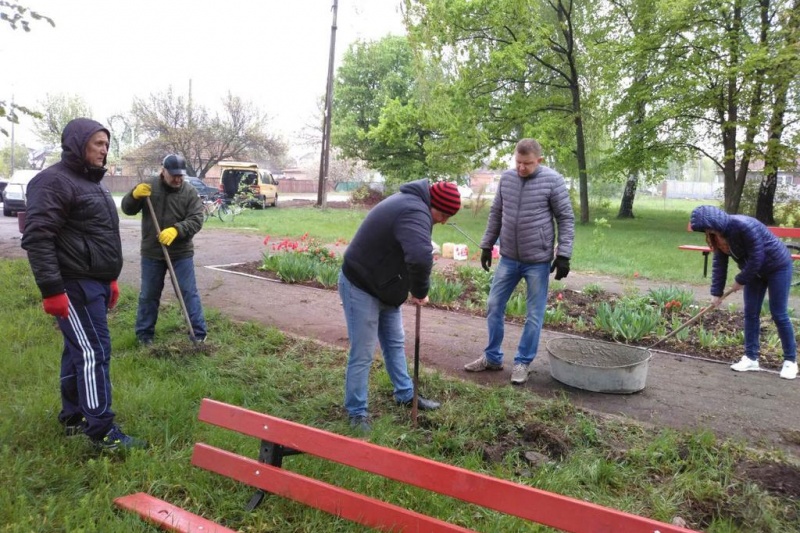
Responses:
[419,188]
[708,217]
[73,142]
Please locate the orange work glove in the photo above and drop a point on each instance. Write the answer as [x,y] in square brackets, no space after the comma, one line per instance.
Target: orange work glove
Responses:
[112,303]
[57,305]
[141,191]
[167,236]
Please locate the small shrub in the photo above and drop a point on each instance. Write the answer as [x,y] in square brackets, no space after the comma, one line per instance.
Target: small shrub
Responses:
[629,322]
[444,291]
[593,289]
[365,196]
[671,298]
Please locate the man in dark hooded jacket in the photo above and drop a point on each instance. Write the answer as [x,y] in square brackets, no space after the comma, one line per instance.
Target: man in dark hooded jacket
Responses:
[390,255]
[765,265]
[75,252]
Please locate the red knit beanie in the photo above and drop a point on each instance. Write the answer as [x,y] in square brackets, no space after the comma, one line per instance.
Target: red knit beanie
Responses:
[445,197]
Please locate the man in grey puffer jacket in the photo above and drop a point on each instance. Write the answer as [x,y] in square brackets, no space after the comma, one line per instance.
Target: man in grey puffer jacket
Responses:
[531,200]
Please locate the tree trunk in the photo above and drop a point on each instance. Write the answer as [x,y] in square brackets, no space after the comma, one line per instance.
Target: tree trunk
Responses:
[626,205]
[765,204]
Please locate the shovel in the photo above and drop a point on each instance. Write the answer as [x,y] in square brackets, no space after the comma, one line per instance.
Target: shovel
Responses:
[173,278]
[690,321]
[464,233]
[415,400]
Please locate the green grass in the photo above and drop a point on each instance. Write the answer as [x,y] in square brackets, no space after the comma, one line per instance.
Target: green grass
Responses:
[643,247]
[51,483]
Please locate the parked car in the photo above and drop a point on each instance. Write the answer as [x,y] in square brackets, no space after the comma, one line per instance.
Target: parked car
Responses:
[14,193]
[246,183]
[203,190]
[3,183]
[466,192]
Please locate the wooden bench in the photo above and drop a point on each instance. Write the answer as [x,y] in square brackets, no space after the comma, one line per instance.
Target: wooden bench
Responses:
[281,438]
[783,233]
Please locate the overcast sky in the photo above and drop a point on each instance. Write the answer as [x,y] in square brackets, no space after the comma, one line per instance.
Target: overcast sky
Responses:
[271,52]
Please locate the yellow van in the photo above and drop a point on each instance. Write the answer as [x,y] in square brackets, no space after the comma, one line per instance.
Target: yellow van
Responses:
[246,183]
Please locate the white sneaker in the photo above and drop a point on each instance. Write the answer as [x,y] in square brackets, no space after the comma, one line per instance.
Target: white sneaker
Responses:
[789,370]
[745,364]
[520,374]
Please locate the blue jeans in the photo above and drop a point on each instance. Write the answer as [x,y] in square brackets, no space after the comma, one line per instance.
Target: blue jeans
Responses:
[153,273]
[506,277]
[368,322]
[778,284]
[86,358]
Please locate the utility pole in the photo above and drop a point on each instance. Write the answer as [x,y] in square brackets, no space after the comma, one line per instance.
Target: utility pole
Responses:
[326,124]
[11,112]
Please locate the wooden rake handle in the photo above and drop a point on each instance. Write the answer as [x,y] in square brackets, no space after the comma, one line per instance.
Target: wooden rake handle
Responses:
[690,321]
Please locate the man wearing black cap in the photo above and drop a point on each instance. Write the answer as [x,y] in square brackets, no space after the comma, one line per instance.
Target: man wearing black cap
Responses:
[389,257]
[179,212]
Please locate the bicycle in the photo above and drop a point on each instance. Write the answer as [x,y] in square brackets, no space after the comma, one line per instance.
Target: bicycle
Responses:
[220,208]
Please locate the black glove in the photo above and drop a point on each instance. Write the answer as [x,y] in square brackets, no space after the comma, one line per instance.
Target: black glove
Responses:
[561,266]
[486,258]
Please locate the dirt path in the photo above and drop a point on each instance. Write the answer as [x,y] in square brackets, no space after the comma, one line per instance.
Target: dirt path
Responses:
[681,392]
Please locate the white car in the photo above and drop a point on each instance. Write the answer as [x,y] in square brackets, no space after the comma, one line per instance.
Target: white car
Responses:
[466,192]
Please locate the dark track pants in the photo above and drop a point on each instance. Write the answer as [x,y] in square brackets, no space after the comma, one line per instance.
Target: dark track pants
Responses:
[85,381]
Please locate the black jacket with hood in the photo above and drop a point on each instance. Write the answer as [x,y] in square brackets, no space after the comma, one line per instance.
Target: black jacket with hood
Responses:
[71,221]
[391,253]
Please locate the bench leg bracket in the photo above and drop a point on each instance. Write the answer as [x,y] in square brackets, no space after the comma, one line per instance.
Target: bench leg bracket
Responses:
[271,454]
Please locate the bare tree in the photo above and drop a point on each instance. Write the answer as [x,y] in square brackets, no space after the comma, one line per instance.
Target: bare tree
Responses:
[171,123]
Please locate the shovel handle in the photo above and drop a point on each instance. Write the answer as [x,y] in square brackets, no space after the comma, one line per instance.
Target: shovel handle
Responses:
[172,275]
[415,400]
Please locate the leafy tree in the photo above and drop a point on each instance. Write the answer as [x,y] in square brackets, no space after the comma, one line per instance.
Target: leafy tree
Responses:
[518,69]
[18,17]
[784,103]
[170,123]
[20,159]
[377,116]
[57,111]
[709,96]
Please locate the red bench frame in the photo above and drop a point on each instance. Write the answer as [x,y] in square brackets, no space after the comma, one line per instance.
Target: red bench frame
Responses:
[562,512]
[783,233]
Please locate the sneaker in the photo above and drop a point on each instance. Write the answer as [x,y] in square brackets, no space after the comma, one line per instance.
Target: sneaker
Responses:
[145,342]
[423,404]
[745,364]
[360,424]
[789,370]
[74,425]
[481,364]
[520,374]
[115,440]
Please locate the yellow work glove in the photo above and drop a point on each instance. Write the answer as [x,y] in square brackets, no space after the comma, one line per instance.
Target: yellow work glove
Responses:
[167,236]
[141,191]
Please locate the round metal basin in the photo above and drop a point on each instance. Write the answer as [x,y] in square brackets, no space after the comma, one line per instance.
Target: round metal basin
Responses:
[598,366]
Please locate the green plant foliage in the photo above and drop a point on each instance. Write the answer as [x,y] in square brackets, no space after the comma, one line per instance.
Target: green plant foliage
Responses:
[671,297]
[627,320]
[444,291]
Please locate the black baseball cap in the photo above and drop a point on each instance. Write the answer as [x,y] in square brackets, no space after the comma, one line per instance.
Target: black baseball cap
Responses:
[175,164]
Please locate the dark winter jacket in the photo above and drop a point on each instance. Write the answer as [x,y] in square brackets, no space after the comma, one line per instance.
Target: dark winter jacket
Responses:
[524,215]
[179,208]
[71,221]
[391,253]
[754,248]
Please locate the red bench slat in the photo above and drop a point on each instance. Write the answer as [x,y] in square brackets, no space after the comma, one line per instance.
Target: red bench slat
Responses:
[168,516]
[314,493]
[532,504]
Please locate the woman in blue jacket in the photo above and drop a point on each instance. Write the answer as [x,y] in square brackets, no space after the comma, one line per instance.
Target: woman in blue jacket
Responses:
[765,265]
